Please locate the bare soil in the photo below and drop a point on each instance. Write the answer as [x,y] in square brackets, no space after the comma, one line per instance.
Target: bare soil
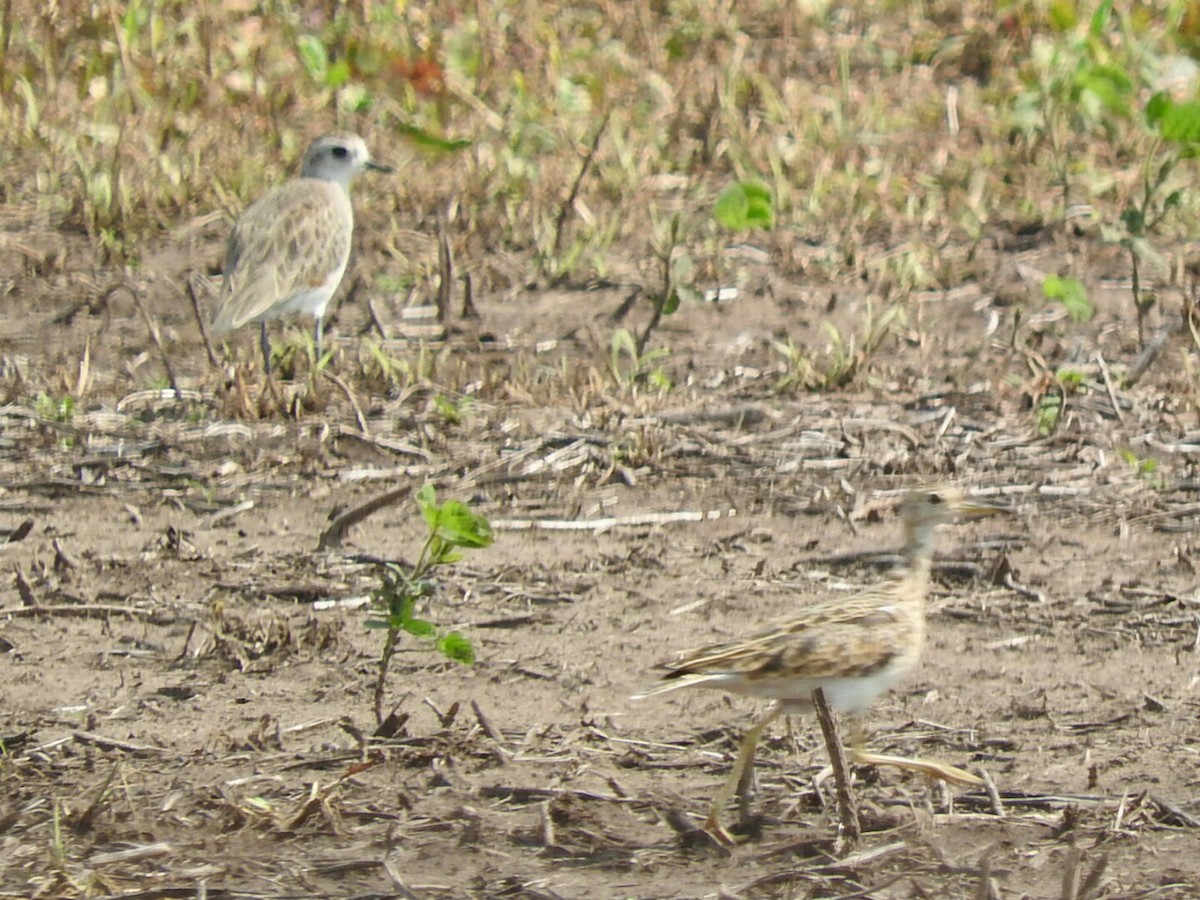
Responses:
[186,681]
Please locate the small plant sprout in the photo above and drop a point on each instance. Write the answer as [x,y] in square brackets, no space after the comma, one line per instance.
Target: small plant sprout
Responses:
[55,409]
[1071,293]
[745,205]
[1145,467]
[1176,130]
[1074,85]
[452,410]
[678,272]
[845,358]
[452,528]
[628,365]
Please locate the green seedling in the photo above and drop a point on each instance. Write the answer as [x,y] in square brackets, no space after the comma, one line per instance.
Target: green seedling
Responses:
[799,373]
[745,205]
[1145,467]
[629,365]
[845,358]
[298,351]
[55,409]
[1070,379]
[1075,85]
[452,527]
[677,270]
[1048,413]
[1175,129]
[451,410]
[1071,293]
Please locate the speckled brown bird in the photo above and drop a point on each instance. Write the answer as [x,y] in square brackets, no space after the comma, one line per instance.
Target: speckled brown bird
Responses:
[852,648]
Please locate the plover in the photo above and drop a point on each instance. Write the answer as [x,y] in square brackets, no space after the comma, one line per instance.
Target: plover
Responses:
[288,250]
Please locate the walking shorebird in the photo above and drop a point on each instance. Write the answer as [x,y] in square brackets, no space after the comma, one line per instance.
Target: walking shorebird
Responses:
[288,251]
[849,649]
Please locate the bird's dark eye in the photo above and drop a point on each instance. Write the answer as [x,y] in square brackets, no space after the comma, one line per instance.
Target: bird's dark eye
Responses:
[340,152]
[934,498]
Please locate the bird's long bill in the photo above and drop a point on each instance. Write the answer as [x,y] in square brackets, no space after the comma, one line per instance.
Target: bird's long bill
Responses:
[378,167]
[977,509]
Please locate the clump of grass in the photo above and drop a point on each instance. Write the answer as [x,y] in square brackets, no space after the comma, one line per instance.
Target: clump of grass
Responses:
[844,358]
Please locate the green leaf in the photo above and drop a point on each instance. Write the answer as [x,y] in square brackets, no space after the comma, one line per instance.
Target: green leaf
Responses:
[1133,220]
[745,205]
[427,141]
[1071,293]
[419,628]
[313,57]
[671,304]
[1110,86]
[400,610]
[338,74]
[1069,378]
[460,526]
[456,647]
[1180,123]
[444,554]
[1100,19]
[1156,108]
[427,500]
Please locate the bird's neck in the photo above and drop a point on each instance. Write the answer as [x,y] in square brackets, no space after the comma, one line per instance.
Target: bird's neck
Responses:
[918,552]
[341,179]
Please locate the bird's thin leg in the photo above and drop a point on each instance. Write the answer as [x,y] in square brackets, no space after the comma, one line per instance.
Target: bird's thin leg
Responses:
[746,788]
[861,756]
[744,759]
[319,334]
[931,767]
[264,343]
[847,810]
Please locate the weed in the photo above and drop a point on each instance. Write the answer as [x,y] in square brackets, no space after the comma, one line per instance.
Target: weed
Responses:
[1145,467]
[845,358]
[379,366]
[452,527]
[1071,293]
[629,365]
[1048,412]
[1074,85]
[452,411]
[745,205]
[1176,136]
[55,409]
[677,272]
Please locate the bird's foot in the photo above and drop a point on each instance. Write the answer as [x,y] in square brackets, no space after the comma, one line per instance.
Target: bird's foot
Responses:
[715,830]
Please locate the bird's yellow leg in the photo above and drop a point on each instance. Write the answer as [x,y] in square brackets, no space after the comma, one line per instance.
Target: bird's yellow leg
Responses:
[745,758]
[861,756]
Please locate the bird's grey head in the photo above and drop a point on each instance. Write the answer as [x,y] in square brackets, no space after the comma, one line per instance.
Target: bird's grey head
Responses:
[935,504]
[338,158]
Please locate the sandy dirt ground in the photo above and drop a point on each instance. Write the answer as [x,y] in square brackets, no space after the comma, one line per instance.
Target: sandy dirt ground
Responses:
[186,680]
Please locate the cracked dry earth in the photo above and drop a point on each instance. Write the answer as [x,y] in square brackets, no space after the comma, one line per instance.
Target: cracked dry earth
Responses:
[186,681]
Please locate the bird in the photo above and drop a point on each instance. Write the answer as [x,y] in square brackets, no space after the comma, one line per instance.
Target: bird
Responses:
[288,250]
[850,648]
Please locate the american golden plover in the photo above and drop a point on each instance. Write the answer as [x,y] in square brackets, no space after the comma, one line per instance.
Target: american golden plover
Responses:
[851,648]
[288,251]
